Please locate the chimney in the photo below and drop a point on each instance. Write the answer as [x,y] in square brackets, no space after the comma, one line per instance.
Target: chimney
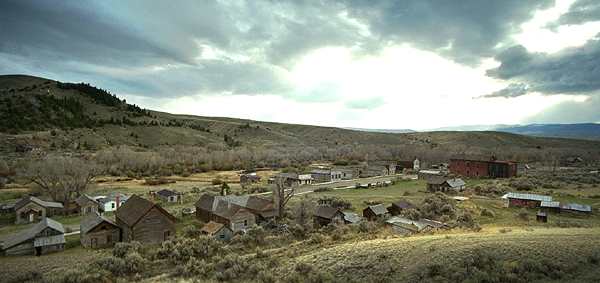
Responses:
[118,200]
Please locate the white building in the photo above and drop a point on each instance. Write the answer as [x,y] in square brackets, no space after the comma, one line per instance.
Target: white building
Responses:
[111,202]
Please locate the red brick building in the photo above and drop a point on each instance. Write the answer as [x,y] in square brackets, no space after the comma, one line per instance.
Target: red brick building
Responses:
[483,168]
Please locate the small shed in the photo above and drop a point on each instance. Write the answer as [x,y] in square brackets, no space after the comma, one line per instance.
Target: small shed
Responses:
[541,217]
[442,184]
[351,218]
[397,207]
[87,205]
[374,212]
[44,237]
[168,195]
[217,230]
[325,215]
[98,232]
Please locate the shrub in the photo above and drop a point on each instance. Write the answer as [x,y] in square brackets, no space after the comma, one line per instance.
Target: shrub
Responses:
[194,267]
[217,181]
[436,205]
[317,238]
[132,263]
[121,249]
[231,267]
[27,276]
[594,257]
[505,230]
[191,231]
[181,250]
[366,227]
[255,236]
[466,220]
[304,272]
[488,213]
[78,275]
[322,189]
[523,215]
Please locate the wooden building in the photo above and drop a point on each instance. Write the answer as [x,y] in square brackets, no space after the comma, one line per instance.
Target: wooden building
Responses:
[541,217]
[144,221]
[396,208]
[375,212]
[217,231]
[441,184]
[483,168]
[96,231]
[249,178]
[326,175]
[525,200]
[44,237]
[168,195]
[31,209]
[232,211]
[87,205]
[325,215]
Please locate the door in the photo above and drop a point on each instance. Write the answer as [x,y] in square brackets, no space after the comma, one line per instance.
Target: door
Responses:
[94,243]
[31,217]
[38,251]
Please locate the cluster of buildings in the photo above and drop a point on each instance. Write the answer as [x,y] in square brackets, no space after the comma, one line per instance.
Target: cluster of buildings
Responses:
[326,214]
[545,204]
[136,219]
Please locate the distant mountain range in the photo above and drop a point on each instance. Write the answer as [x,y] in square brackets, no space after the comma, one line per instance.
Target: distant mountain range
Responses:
[589,131]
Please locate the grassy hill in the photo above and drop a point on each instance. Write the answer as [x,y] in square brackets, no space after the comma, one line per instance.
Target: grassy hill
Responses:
[51,115]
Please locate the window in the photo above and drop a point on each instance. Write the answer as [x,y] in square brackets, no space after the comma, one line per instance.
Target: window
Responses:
[167,234]
[112,205]
[245,223]
[222,236]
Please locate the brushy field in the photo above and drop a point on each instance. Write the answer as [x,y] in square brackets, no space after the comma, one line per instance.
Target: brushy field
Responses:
[413,259]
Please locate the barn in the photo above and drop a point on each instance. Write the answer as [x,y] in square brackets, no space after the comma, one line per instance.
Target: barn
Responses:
[44,237]
[397,207]
[525,200]
[87,205]
[483,168]
[98,232]
[144,221]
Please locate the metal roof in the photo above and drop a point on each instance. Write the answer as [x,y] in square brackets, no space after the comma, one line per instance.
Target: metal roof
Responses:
[166,193]
[352,217]
[32,232]
[49,241]
[92,220]
[550,204]
[27,199]
[577,207]
[378,209]
[455,183]
[528,197]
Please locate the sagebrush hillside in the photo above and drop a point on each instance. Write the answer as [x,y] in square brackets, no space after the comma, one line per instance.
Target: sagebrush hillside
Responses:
[52,115]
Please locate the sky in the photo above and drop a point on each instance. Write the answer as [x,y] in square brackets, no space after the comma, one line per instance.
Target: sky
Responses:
[380,64]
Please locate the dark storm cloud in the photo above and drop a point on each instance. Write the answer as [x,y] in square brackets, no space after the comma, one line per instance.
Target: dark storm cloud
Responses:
[581,11]
[462,30]
[512,90]
[115,43]
[570,112]
[571,71]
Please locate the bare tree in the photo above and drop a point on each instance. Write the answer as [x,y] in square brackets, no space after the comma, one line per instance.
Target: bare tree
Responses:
[282,193]
[63,179]
[303,211]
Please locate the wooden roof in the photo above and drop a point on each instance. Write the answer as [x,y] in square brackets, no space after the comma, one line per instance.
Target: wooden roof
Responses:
[135,208]
[31,233]
[327,212]
[92,220]
[212,227]
[47,204]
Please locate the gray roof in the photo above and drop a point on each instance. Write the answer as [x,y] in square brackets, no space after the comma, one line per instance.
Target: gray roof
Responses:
[47,204]
[29,234]
[49,240]
[352,217]
[577,207]
[166,193]
[550,204]
[403,221]
[83,199]
[320,171]
[92,220]
[455,183]
[378,209]
[528,197]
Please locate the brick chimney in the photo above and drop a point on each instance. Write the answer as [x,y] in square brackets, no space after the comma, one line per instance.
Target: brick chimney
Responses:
[118,200]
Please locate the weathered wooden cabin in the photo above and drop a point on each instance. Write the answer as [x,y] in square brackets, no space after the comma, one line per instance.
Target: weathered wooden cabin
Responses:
[87,205]
[144,221]
[375,212]
[217,231]
[325,215]
[31,209]
[44,237]
[396,208]
[97,231]
[233,210]
[168,195]
[441,184]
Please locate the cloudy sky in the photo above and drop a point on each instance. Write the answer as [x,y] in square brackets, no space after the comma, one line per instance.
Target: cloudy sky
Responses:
[350,63]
